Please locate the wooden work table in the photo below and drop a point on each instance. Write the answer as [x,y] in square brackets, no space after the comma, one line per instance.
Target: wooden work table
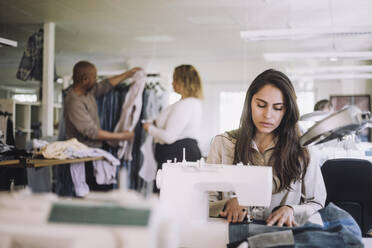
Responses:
[37,162]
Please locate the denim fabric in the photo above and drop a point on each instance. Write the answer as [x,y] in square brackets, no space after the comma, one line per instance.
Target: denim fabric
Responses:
[109,111]
[64,186]
[109,107]
[339,230]
[9,132]
[61,126]
[136,182]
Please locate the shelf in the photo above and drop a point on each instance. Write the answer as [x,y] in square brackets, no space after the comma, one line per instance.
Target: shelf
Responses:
[27,103]
[25,114]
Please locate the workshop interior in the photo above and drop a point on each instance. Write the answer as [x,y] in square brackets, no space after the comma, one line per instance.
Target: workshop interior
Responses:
[164,124]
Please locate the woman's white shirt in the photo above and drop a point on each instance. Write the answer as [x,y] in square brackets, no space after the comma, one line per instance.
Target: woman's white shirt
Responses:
[178,121]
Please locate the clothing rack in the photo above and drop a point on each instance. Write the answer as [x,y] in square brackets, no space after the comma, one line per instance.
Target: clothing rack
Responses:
[154,85]
[153,75]
[153,82]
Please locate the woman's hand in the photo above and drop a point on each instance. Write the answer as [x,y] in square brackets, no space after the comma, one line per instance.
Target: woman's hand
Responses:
[233,211]
[146,126]
[284,215]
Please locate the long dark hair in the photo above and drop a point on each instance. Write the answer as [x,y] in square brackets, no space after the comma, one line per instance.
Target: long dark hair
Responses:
[289,160]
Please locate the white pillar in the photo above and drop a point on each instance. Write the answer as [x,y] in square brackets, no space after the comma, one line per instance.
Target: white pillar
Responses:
[48,79]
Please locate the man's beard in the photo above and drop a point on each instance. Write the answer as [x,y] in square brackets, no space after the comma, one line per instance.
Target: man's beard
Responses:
[90,87]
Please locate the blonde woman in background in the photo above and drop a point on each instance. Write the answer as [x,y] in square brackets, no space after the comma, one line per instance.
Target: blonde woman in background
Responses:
[178,125]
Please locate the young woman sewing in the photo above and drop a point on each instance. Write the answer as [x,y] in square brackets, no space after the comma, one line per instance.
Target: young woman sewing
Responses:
[269,136]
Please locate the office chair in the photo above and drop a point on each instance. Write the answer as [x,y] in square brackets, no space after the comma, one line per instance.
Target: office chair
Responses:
[349,185]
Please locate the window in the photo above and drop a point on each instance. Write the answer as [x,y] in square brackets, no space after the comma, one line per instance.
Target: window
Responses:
[231,106]
[25,97]
[305,101]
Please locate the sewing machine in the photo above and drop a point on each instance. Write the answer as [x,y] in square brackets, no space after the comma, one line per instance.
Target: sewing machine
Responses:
[35,220]
[184,190]
[344,122]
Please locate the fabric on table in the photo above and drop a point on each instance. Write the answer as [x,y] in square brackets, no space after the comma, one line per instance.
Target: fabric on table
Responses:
[339,229]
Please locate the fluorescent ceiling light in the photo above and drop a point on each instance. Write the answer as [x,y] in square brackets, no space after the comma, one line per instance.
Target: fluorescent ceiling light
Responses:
[330,69]
[332,76]
[295,34]
[155,38]
[211,20]
[331,72]
[6,42]
[318,55]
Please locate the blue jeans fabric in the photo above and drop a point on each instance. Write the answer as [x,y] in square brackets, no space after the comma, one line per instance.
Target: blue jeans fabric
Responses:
[109,111]
[339,230]
[64,186]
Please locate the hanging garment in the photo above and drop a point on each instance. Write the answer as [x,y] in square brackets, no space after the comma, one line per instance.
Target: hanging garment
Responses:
[109,111]
[153,103]
[109,106]
[135,181]
[78,179]
[149,165]
[31,65]
[104,172]
[130,114]
[3,128]
[64,185]
[10,132]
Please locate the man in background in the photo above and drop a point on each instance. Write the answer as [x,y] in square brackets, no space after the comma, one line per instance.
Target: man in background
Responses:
[81,113]
[323,105]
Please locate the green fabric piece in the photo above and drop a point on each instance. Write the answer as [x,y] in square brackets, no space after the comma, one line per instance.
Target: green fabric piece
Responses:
[99,215]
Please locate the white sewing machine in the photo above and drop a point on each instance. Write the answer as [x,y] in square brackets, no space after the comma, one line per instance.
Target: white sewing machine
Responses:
[184,190]
[25,222]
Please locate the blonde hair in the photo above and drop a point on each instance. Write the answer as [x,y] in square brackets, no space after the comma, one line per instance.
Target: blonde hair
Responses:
[188,77]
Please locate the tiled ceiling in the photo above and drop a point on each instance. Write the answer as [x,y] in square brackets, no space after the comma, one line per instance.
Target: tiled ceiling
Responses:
[202,29]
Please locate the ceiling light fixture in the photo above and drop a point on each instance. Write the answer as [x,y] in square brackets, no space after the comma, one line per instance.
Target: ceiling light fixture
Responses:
[366,55]
[330,69]
[331,76]
[331,72]
[155,38]
[6,42]
[305,33]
